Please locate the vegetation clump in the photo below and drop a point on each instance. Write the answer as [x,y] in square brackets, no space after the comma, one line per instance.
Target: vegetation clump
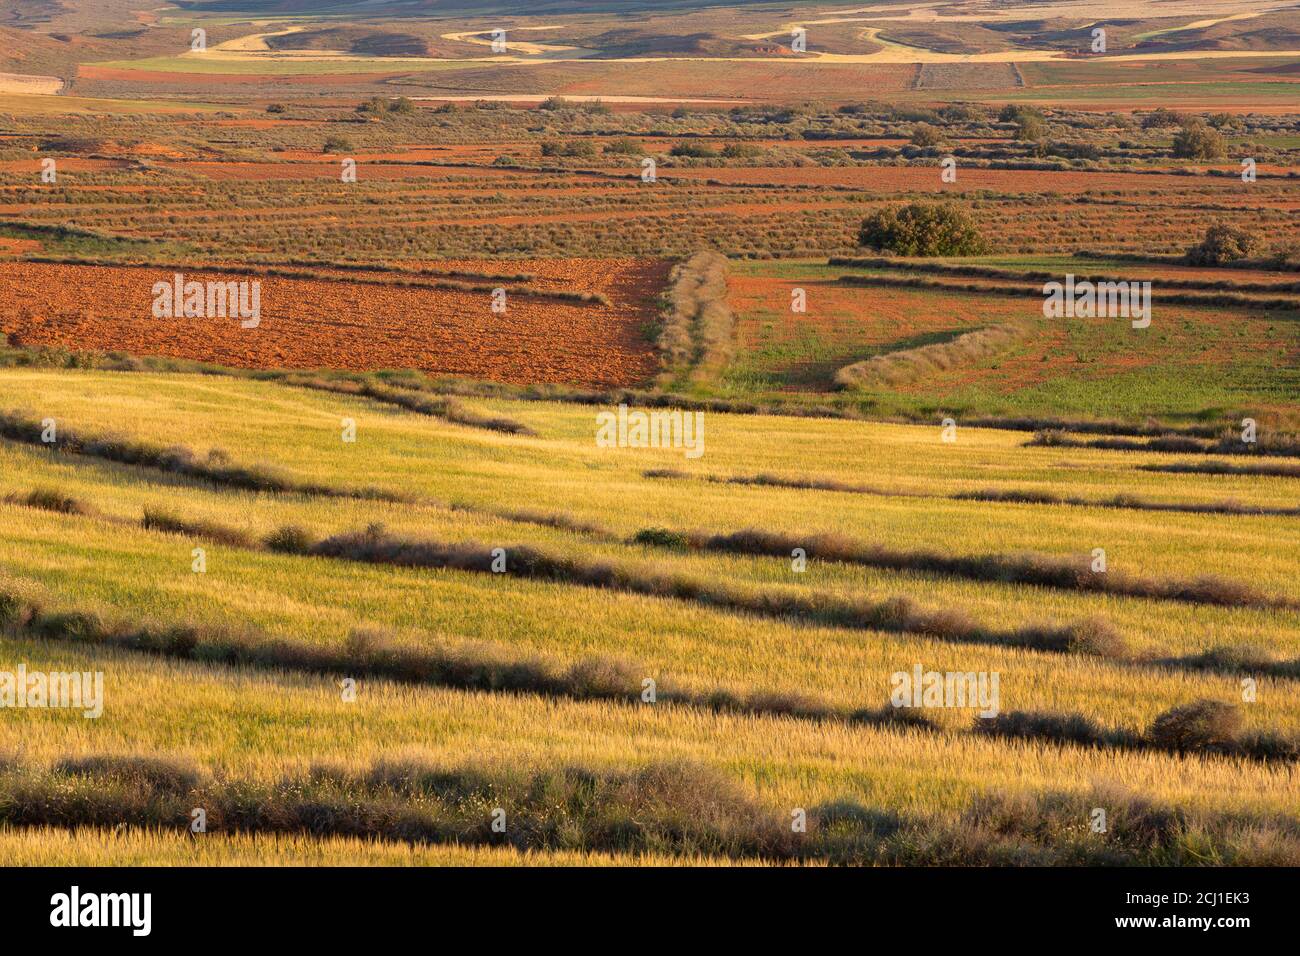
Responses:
[923,229]
[1223,243]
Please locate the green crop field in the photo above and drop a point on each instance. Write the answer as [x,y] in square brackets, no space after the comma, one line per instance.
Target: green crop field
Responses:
[1194,362]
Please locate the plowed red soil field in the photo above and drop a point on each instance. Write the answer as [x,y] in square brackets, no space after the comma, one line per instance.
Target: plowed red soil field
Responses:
[355,325]
[926,179]
[90,71]
[330,170]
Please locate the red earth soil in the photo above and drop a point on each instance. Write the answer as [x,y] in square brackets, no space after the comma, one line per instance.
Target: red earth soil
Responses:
[352,325]
[330,169]
[912,179]
[90,72]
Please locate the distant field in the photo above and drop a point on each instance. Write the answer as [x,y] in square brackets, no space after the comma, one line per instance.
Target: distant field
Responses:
[617,419]
[18,83]
[36,105]
[384,322]
[1191,360]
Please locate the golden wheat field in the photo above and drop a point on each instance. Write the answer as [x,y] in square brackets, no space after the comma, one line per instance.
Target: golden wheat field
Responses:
[261,719]
[845,449]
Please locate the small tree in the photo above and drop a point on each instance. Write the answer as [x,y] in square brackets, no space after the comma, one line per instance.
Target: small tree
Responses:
[275,107]
[336,144]
[1014,112]
[921,229]
[926,136]
[1223,243]
[1198,141]
[1030,129]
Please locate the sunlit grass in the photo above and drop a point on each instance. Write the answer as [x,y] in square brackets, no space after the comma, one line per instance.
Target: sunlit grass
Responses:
[264,723]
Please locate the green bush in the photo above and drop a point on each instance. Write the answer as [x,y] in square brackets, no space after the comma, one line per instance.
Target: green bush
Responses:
[1163,118]
[578,147]
[694,150]
[1030,129]
[925,135]
[921,229]
[1013,112]
[1198,141]
[660,537]
[1223,243]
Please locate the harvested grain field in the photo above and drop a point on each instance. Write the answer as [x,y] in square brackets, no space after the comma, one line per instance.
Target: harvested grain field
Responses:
[670,447]
[355,324]
[19,83]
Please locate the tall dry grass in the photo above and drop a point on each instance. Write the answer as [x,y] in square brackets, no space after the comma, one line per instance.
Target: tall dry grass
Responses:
[698,335]
[908,365]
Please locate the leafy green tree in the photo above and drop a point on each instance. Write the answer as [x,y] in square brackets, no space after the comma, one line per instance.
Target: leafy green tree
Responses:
[923,229]
[1030,129]
[1223,243]
[1198,141]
